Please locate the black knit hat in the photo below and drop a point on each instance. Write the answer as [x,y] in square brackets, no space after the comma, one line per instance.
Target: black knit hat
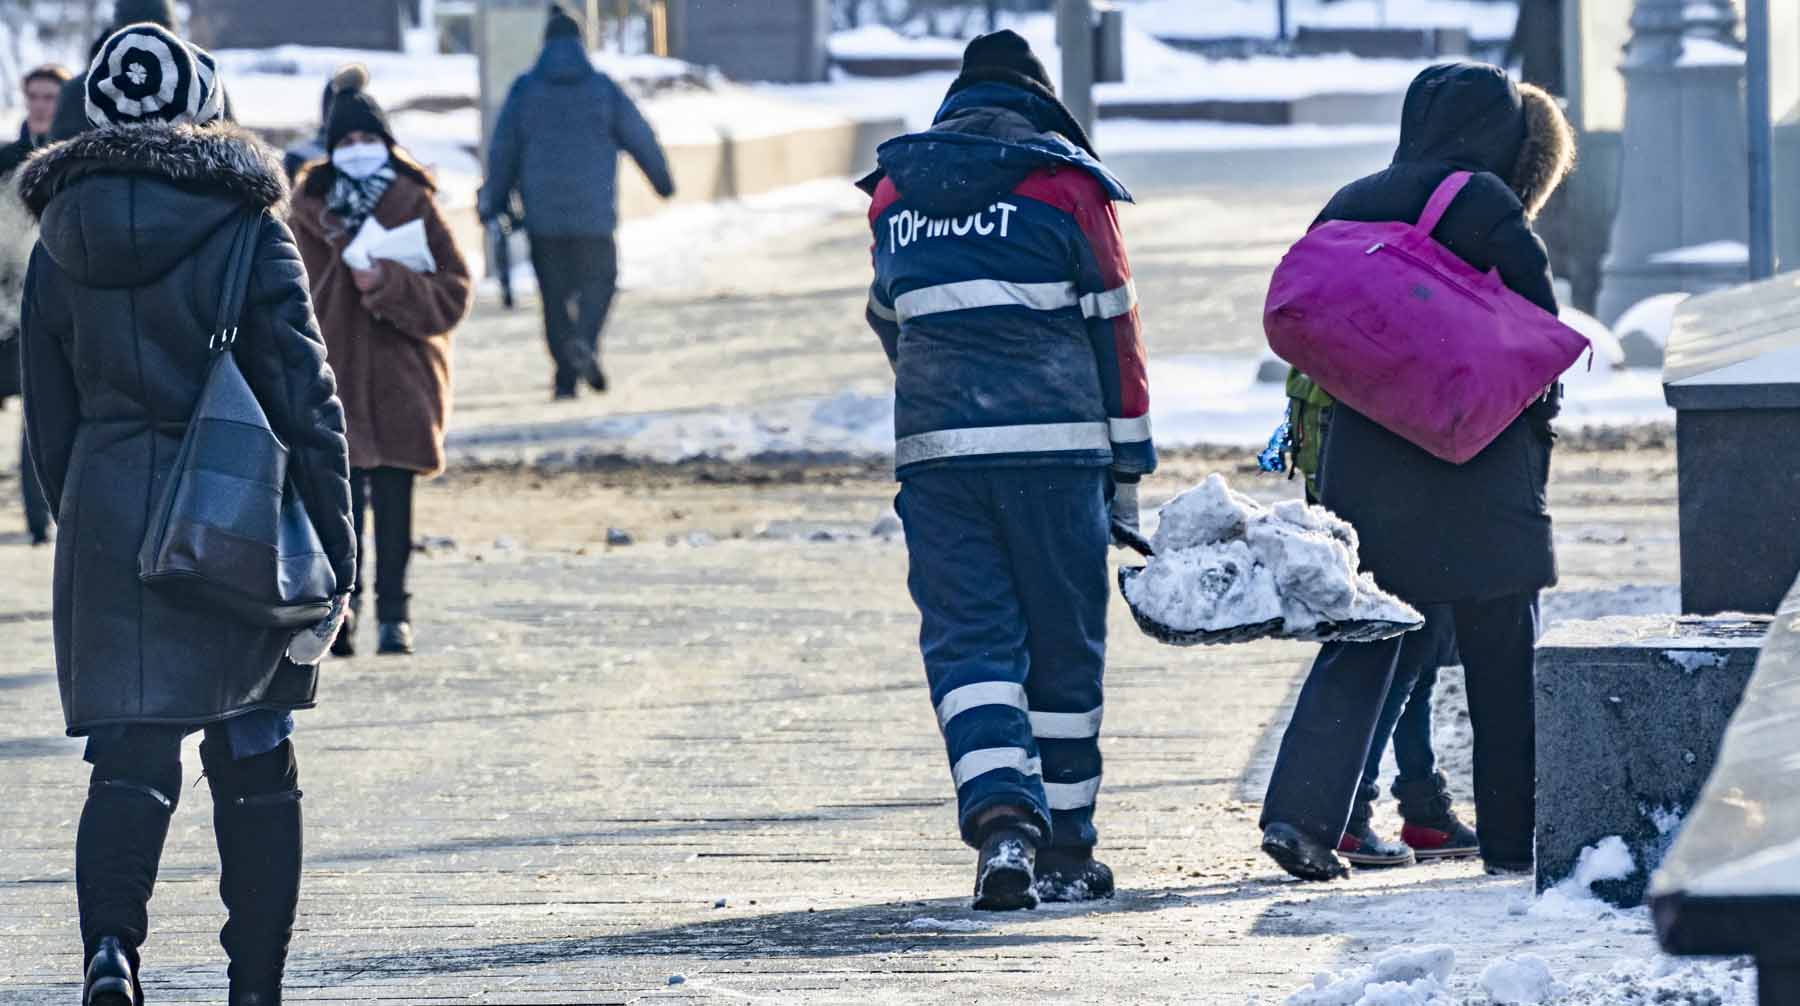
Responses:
[159,12]
[145,74]
[1004,57]
[352,111]
[561,24]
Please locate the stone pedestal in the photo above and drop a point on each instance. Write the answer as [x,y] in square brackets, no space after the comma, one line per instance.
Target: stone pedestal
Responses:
[1733,376]
[1630,712]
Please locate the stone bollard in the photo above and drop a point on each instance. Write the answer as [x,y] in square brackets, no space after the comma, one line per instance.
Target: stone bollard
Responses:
[1630,711]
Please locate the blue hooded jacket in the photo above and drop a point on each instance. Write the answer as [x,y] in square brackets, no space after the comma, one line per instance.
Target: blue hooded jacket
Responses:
[1003,295]
[557,142]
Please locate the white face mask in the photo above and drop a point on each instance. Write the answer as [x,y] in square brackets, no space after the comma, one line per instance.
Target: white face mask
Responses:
[360,160]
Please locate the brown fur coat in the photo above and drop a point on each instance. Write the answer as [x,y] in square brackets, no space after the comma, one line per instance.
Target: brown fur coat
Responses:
[390,346]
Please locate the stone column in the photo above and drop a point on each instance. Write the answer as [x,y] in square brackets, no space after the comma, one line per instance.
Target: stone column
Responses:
[1685,164]
[1075,36]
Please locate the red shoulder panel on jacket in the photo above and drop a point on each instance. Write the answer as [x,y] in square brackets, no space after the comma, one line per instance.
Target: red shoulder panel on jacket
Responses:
[1064,188]
[885,196]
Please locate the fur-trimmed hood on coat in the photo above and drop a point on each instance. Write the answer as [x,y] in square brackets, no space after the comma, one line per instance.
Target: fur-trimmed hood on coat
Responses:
[1548,155]
[1474,117]
[120,206]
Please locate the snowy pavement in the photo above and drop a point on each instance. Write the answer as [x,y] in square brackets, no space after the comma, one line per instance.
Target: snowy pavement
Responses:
[740,334]
[703,768]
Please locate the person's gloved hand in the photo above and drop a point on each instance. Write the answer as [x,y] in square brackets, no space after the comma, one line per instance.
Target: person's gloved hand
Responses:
[1125,503]
[309,644]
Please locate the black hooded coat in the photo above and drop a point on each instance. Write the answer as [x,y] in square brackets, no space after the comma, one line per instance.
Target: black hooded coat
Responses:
[123,291]
[1432,531]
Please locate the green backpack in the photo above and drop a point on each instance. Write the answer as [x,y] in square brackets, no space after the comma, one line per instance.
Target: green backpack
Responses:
[1309,416]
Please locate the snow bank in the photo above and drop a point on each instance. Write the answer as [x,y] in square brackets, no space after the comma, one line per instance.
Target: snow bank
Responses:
[1154,72]
[1225,561]
[881,42]
[1573,899]
[1257,18]
[1410,977]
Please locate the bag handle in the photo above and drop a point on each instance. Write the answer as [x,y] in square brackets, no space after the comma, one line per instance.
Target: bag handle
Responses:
[237,281]
[1446,193]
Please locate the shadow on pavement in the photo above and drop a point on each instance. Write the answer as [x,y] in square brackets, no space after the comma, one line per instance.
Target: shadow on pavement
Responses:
[892,928]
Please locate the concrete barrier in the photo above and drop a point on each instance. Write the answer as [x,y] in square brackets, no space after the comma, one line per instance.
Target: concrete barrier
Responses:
[733,167]
[1630,711]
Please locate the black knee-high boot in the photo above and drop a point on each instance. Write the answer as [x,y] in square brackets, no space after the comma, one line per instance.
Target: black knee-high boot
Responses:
[256,819]
[117,850]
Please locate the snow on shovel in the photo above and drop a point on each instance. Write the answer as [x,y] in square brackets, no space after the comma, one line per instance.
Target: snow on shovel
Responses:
[1225,569]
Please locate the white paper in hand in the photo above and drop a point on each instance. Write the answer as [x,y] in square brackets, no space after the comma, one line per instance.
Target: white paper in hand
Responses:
[405,244]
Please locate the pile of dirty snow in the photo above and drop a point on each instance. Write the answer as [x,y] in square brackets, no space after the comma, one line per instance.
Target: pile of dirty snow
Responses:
[1224,561]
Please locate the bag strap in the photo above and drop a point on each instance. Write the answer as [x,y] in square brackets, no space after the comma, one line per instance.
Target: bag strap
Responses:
[1446,193]
[237,281]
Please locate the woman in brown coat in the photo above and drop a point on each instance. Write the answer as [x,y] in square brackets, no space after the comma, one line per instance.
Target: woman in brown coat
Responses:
[387,328]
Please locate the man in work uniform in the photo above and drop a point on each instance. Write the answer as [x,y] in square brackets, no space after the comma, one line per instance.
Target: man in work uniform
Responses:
[1004,300]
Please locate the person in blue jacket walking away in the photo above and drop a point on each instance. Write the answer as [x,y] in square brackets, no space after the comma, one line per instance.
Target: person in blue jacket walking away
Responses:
[1005,303]
[557,144]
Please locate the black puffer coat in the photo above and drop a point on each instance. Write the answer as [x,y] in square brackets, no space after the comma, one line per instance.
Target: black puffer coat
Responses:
[1433,531]
[124,288]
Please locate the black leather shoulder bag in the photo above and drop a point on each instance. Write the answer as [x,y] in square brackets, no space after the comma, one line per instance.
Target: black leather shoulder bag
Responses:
[230,532]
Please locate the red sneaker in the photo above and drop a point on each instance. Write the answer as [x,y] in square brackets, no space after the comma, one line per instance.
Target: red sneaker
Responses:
[1445,839]
[1362,847]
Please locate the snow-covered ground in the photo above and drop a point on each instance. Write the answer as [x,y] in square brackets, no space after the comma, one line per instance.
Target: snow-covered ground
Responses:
[1257,18]
[1154,72]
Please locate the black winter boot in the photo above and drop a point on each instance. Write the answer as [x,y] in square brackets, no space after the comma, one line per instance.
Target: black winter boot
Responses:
[118,847]
[1361,845]
[1068,875]
[256,820]
[1300,855]
[1432,827]
[395,638]
[111,978]
[1005,874]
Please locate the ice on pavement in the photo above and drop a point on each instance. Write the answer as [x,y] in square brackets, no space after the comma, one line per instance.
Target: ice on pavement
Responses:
[1409,977]
[1524,980]
[1225,561]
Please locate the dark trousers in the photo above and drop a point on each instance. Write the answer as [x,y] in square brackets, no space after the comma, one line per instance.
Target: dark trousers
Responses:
[1008,569]
[1327,742]
[577,278]
[389,491]
[1406,718]
[37,511]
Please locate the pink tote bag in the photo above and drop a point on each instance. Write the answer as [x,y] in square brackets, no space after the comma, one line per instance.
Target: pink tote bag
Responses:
[1399,328]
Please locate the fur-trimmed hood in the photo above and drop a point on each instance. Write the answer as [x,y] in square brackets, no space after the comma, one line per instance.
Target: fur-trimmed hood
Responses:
[1474,117]
[1548,155]
[120,206]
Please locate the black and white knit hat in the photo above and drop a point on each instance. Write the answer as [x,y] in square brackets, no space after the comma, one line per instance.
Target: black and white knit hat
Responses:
[143,73]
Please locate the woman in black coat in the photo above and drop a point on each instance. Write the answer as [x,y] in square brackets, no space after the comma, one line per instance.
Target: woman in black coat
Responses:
[1475,536]
[124,288]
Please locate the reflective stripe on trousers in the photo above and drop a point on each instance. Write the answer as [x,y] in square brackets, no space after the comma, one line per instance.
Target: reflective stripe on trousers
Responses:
[1008,568]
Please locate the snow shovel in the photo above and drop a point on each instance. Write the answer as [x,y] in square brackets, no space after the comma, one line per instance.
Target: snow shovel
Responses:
[1354,631]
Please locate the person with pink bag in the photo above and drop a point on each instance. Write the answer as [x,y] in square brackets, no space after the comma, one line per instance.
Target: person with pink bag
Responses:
[1473,532]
